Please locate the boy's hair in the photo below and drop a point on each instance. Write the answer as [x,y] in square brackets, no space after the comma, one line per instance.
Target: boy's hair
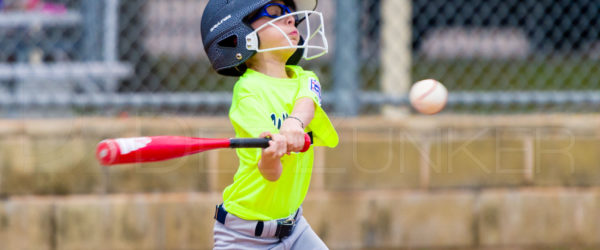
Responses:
[224,31]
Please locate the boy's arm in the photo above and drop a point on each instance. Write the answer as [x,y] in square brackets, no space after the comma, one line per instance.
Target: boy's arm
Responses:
[250,118]
[293,127]
[290,139]
[270,162]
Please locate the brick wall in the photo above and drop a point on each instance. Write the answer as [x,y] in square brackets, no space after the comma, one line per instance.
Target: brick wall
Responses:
[514,182]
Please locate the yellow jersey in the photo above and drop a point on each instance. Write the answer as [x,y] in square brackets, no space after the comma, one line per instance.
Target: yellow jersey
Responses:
[261,103]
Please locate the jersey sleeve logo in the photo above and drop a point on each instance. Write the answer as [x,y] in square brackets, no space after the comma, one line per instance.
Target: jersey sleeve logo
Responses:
[315,87]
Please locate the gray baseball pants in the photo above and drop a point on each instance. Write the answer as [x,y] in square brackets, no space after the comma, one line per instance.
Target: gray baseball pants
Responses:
[237,234]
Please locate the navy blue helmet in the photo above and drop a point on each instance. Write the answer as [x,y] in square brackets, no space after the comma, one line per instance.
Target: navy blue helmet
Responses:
[224,31]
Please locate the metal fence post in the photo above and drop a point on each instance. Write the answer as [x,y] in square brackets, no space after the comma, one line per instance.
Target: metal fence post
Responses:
[396,53]
[346,64]
[111,30]
[111,33]
[92,30]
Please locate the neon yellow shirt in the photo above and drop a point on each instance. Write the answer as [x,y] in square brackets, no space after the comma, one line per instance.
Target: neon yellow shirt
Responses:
[261,103]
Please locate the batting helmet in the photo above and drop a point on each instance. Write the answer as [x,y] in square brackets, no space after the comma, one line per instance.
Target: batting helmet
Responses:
[224,30]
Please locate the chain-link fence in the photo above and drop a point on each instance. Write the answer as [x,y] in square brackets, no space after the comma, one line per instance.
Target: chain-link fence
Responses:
[80,57]
[533,55]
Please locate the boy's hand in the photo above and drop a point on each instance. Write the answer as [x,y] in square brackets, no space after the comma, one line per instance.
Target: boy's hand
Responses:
[277,146]
[294,134]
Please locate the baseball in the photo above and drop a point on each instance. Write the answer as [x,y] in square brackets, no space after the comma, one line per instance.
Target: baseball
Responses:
[428,96]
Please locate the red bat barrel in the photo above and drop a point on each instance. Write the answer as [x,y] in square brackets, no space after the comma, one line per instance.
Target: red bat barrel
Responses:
[151,149]
[160,148]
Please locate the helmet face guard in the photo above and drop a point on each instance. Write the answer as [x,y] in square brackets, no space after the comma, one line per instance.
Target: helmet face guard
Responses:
[311,26]
[229,40]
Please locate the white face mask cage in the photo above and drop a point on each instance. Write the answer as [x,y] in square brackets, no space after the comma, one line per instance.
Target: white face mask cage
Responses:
[311,28]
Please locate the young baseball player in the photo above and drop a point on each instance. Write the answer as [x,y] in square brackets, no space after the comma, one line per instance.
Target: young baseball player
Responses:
[262,41]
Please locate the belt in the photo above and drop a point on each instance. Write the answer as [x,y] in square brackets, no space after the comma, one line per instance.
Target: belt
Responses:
[268,229]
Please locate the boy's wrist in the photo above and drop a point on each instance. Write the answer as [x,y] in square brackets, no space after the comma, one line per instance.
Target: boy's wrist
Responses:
[297,119]
[269,160]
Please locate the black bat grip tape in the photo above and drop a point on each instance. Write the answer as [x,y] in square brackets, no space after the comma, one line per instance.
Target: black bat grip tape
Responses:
[249,143]
[255,142]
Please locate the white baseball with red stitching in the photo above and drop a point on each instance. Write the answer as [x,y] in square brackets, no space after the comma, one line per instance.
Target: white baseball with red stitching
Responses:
[428,96]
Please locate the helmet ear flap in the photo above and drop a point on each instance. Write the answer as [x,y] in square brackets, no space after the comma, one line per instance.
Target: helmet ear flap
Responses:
[297,56]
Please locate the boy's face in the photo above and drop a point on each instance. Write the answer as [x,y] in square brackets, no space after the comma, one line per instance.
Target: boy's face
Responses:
[271,37]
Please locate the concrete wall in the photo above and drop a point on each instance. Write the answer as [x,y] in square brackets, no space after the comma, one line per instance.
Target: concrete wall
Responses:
[415,183]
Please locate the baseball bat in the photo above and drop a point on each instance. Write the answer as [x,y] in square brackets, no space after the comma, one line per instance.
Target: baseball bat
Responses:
[159,148]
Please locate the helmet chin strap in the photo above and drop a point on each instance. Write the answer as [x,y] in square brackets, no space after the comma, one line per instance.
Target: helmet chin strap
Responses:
[297,56]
